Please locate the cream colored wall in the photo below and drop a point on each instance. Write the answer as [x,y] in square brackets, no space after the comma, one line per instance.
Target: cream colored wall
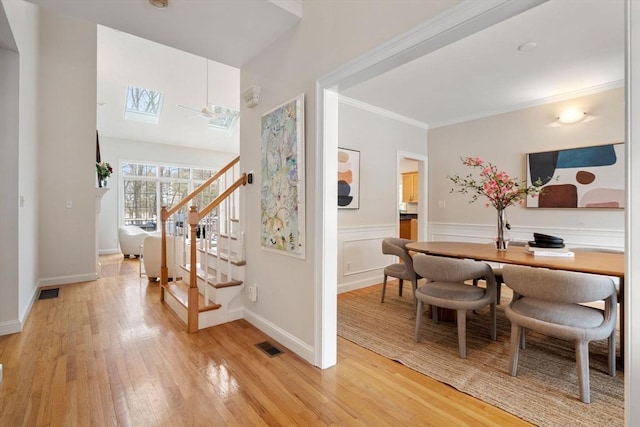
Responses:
[19,160]
[330,34]
[504,140]
[66,135]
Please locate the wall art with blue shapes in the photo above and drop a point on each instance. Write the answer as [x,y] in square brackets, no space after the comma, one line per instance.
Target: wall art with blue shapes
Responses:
[587,177]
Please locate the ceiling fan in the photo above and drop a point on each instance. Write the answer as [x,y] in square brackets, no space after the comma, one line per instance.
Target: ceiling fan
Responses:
[204,111]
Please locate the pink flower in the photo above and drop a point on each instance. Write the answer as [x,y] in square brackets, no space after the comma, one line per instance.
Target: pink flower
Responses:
[497,186]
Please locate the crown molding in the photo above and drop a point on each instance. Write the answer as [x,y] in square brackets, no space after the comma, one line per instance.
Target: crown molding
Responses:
[533,103]
[381,112]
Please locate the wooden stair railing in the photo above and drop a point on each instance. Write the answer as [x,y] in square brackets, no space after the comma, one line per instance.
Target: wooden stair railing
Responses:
[194,220]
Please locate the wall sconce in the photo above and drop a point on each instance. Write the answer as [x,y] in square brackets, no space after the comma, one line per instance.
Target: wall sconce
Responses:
[251,96]
[571,116]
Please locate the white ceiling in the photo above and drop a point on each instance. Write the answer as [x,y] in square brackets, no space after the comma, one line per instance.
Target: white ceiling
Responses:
[580,48]
[125,60]
[226,31]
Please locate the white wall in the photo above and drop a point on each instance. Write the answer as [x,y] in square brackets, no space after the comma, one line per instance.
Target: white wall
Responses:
[504,140]
[329,35]
[360,231]
[18,158]
[114,150]
[66,167]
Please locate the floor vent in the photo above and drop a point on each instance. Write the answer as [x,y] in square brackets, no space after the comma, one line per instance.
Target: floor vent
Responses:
[49,293]
[268,348]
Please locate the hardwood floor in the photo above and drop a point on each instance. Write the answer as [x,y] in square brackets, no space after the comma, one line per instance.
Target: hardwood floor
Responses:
[109,353]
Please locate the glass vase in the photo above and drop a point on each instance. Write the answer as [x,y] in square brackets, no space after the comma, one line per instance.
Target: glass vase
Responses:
[501,242]
[102,182]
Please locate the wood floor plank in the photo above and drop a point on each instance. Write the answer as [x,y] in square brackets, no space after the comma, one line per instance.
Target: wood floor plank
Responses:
[109,352]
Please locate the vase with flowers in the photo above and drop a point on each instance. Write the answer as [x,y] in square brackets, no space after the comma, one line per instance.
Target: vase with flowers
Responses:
[498,187]
[104,170]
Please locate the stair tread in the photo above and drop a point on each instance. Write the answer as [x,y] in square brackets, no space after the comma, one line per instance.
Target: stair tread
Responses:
[211,277]
[214,252]
[180,291]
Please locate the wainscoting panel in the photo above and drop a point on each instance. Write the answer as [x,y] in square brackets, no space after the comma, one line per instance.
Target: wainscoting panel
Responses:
[573,237]
[360,258]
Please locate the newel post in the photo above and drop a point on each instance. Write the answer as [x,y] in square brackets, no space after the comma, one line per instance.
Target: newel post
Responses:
[192,316]
[164,272]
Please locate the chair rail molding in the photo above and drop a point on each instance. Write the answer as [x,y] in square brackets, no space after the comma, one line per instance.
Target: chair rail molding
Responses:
[479,233]
[360,258]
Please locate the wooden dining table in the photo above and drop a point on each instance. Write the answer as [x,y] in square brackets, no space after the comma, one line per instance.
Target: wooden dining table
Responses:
[602,263]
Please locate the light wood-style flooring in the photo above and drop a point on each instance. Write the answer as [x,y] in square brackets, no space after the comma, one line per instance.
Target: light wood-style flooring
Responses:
[109,353]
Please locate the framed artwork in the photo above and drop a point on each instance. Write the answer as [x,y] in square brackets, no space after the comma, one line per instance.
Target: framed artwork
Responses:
[587,177]
[282,190]
[348,178]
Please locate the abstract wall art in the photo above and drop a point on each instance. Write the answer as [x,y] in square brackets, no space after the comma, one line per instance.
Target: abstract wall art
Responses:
[282,190]
[348,178]
[587,177]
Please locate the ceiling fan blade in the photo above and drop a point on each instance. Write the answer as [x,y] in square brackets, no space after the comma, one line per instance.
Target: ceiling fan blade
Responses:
[188,108]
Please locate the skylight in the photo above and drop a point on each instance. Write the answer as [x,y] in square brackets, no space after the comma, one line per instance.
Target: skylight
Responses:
[223,118]
[143,105]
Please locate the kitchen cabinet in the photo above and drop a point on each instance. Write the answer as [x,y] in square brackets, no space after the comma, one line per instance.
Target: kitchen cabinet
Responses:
[409,228]
[410,187]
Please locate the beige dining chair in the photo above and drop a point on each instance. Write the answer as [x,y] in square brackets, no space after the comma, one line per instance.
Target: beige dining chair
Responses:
[550,302]
[446,288]
[497,272]
[402,270]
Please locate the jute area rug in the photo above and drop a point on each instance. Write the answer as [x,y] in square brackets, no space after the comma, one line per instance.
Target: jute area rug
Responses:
[545,391]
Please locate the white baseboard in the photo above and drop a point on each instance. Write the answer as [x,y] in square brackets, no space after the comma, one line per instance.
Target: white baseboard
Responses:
[109,251]
[299,347]
[64,280]
[10,327]
[359,284]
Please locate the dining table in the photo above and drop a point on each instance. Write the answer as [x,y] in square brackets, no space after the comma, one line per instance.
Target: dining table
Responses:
[591,262]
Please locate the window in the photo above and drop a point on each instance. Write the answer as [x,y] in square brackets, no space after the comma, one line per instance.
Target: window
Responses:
[223,118]
[149,186]
[143,105]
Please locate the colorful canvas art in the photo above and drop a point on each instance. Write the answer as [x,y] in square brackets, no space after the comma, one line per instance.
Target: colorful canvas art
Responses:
[588,177]
[348,178]
[282,192]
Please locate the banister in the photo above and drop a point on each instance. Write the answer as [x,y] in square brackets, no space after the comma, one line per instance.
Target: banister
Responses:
[215,202]
[201,188]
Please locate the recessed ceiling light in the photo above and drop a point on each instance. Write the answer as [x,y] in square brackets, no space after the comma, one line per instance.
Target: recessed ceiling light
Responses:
[527,47]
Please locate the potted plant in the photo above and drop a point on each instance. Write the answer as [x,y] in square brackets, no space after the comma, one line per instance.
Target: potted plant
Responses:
[104,170]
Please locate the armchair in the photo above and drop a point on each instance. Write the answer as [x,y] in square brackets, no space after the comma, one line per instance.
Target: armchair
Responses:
[130,238]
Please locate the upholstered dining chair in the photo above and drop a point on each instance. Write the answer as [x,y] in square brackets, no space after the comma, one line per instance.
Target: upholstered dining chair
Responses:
[604,250]
[446,288]
[402,270]
[550,302]
[497,272]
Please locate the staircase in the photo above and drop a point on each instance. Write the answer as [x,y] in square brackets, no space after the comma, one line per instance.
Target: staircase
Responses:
[207,289]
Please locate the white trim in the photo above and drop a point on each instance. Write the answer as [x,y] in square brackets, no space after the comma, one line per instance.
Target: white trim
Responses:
[534,103]
[10,327]
[298,347]
[573,237]
[382,112]
[109,251]
[67,280]
[453,24]
[632,223]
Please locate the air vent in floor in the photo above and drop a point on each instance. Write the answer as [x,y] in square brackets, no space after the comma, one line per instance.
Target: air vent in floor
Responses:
[269,349]
[49,293]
